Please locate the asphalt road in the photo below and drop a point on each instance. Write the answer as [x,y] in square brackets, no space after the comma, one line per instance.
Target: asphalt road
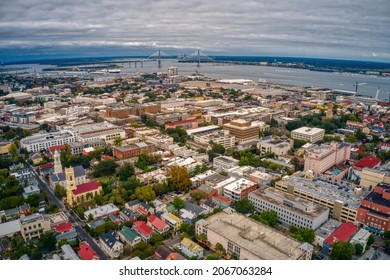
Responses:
[81,232]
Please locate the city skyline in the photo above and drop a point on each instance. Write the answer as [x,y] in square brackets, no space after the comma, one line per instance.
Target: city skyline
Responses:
[349,30]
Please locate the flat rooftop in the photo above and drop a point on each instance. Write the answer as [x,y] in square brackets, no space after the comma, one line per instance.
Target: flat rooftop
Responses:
[9,228]
[327,228]
[39,138]
[262,241]
[227,159]
[308,130]
[326,188]
[314,210]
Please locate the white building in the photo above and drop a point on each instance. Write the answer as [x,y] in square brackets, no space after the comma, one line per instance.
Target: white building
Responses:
[44,141]
[361,237]
[219,137]
[239,189]
[101,211]
[291,210]
[277,145]
[308,134]
[224,162]
[110,244]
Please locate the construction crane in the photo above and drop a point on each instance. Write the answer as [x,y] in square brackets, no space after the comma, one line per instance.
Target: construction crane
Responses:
[357,84]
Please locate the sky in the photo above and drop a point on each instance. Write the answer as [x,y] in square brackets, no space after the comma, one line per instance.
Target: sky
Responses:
[346,29]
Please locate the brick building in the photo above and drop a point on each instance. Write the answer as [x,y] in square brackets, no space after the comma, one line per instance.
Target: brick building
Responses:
[374,211]
[133,150]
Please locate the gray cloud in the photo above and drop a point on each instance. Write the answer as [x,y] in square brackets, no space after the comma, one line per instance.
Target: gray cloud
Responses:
[350,29]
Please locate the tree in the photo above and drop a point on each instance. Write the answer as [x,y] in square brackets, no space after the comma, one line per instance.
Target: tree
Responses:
[59,191]
[118,141]
[47,241]
[303,234]
[156,239]
[145,193]
[220,248]
[213,257]
[371,240]
[180,178]
[358,249]
[218,148]
[105,168]
[351,138]
[298,143]
[13,150]
[197,195]
[178,203]
[126,171]
[244,206]
[342,251]
[268,217]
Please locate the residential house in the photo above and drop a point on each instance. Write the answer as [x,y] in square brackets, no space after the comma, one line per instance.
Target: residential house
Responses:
[191,249]
[163,252]
[157,224]
[111,244]
[68,252]
[128,237]
[190,212]
[127,215]
[143,230]
[86,252]
[172,220]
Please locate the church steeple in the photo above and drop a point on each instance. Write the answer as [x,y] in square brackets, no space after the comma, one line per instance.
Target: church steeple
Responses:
[57,163]
[70,185]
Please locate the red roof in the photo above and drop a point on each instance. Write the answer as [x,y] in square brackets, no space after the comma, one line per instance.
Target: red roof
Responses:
[142,211]
[343,233]
[86,187]
[64,227]
[368,161]
[181,122]
[222,198]
[86,252]
[143,228]
[156,222]
[46,166]
[105,157]
[59,147]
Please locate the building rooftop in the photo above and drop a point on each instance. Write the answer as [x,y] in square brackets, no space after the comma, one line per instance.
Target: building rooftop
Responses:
[86,252]
[191,245]
[342,233]
[227,159]
[39,138]
[128,233]
[64,227]
[156,222]
[143,228]
[101,211]
[308,130]
[9,228]
[368,161]
[86,187]
[326,188]
[109,238]
[290,202]
[239,185]
[32,218]
[262,241]
[327,228]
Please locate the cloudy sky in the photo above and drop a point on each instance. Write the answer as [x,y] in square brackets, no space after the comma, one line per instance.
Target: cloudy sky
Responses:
[350,29]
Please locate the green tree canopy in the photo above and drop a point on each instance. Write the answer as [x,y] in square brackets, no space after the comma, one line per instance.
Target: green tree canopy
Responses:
[244,206]
[105,168]
[126,171]
[145,193]
[178,203]
[180,178]
[342,251]
[304,234]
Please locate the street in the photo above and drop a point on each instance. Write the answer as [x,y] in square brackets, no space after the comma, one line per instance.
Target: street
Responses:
[80,230]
